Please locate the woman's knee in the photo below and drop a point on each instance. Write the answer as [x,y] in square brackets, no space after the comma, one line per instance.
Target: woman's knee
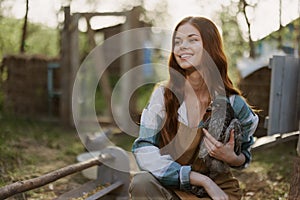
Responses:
[142,179]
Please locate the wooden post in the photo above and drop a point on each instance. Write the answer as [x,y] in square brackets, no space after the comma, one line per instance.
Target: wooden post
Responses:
[128,62]
[65,69]
[113,170]
[104,80]
[69,64]
[294,193]
[298,106]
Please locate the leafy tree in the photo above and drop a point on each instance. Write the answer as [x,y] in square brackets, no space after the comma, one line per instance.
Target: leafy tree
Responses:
[24,29]
[243,5]
[40,39]
[234,44]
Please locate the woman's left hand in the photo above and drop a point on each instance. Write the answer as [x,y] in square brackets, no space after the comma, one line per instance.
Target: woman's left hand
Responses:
[216,149]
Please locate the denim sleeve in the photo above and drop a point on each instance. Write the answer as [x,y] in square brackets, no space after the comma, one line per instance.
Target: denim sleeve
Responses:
[249,122]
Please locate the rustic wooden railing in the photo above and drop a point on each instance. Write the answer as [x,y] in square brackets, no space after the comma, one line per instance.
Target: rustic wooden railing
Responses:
[116,181]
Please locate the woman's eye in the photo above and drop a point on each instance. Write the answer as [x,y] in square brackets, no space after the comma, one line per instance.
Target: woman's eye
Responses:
[177,42]
[193,40]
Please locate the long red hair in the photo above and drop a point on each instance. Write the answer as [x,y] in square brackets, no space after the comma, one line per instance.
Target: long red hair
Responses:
[174,91]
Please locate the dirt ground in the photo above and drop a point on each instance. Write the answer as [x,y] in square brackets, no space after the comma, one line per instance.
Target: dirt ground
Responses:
[259,181]
[268,176]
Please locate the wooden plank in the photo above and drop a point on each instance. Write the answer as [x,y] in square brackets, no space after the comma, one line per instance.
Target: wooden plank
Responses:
[298,146]
[92,14]
[276,63]
[272,140]
[105,191]
[283,95]
[288,113]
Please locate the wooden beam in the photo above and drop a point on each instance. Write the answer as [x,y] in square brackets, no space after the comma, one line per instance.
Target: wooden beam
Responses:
[92,14]
[105,191]
[65,69]
[104,80]
[269,141]
[23,186]
[69,64]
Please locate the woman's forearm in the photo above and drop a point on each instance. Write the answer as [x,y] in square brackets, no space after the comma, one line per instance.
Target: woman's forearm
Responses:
[199,179]
[237,160]
[213,190]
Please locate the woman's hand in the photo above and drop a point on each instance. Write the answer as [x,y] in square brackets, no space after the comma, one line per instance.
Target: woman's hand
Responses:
[224,152]
[212,189]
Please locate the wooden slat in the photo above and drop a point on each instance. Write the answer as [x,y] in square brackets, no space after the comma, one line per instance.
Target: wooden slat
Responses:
[272,140]
[283,95]
[288,120]
[105,191]
[277,64]
[79,191]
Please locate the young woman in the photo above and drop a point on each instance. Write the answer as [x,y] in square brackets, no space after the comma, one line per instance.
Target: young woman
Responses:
[170,133]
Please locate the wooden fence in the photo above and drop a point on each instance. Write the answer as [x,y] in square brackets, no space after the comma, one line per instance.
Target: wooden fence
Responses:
[284,106]
[115,182]
[25,85]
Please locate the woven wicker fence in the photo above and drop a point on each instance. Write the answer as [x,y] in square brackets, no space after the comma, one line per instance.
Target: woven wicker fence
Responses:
[25,85]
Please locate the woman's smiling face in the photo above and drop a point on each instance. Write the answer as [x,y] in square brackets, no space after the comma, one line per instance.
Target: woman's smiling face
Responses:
[188,46]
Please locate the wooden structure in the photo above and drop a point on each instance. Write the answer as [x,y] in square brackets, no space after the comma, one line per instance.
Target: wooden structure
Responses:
[70,55]
[69,64]
[256,89]
[25,87]
[51,81]
[284,100]
[110,160]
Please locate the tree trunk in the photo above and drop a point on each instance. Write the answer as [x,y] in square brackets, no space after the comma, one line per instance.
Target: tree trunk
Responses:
[250,42]
[24,30]
[294,193]
[280,26]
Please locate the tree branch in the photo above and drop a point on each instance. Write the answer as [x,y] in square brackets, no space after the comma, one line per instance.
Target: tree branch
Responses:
[23,186]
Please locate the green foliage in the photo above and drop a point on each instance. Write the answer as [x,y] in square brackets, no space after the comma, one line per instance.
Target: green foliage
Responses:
[40,39]
[234,44]
[143,95]
[10,36]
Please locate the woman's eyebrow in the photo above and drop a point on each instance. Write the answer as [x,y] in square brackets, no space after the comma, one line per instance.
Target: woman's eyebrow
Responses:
[190,35]
[193,34]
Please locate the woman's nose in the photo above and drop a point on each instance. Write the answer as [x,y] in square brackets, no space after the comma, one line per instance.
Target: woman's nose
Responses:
[184,44]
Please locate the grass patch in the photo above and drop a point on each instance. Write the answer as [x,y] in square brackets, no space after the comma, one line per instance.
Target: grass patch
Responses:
[270,172]
[28,146]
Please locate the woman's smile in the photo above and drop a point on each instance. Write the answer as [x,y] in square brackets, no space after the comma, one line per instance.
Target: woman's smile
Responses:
[188,46]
